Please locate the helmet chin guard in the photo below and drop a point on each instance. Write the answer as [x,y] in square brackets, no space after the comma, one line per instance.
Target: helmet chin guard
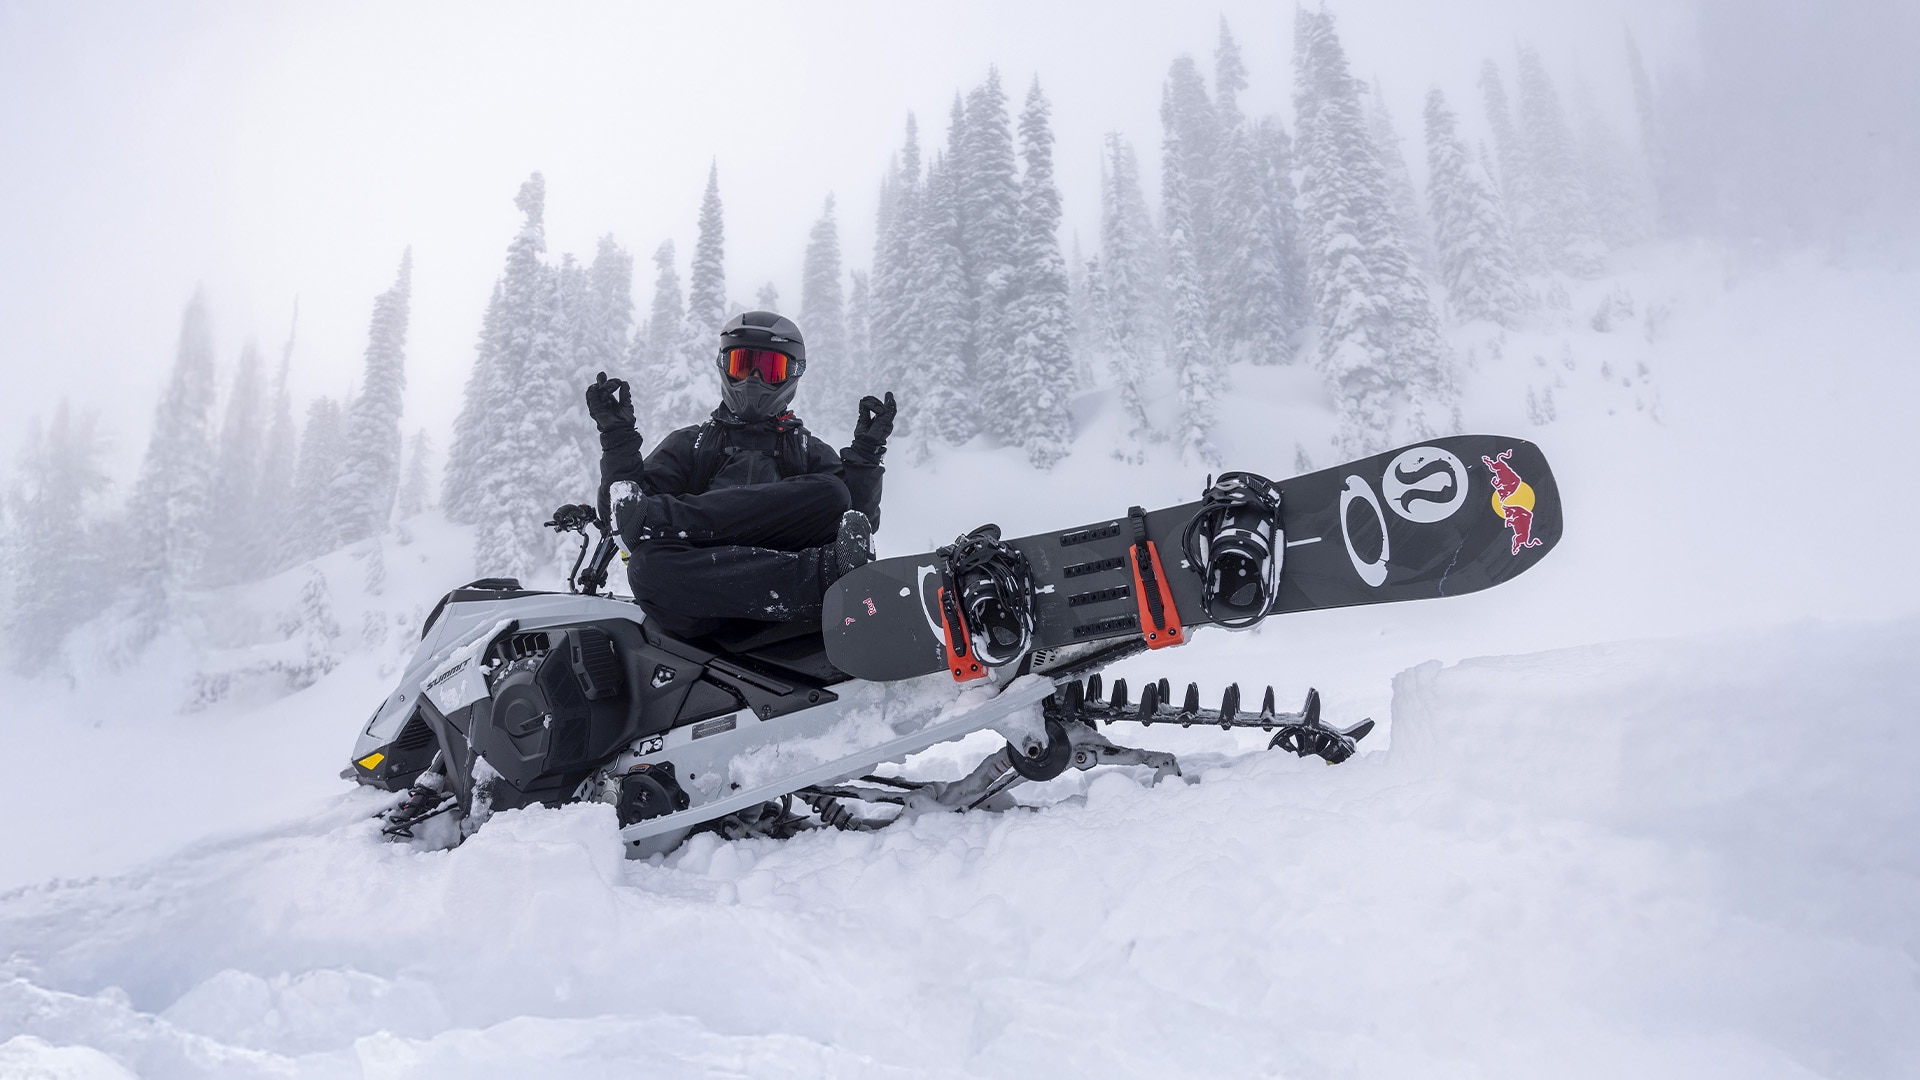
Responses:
[752,399]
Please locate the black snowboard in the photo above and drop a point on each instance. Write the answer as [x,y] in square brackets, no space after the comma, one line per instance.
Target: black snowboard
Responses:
[1447,516]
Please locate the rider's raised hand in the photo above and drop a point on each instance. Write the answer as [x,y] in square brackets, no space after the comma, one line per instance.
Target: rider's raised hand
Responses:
[610,403]
[870,432]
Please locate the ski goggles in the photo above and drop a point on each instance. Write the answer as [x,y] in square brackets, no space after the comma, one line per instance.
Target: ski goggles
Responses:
[772,367]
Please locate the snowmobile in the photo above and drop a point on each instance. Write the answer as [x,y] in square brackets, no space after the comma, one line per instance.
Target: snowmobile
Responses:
[517,696]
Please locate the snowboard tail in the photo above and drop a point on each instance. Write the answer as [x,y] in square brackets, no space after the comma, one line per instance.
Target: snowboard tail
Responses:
[1443,517]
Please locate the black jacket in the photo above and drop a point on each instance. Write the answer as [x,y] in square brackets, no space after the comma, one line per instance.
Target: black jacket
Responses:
[728,452]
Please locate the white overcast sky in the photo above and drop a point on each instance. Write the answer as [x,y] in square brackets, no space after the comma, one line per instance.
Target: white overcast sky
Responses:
[273,151]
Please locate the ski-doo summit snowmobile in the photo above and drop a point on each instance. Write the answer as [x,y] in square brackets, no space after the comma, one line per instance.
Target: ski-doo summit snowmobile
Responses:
[516,696]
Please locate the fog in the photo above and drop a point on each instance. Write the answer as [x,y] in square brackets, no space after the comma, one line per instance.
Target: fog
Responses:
[270,153]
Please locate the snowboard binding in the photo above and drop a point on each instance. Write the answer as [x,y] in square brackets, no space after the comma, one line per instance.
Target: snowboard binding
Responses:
[986,602]
[1236,543]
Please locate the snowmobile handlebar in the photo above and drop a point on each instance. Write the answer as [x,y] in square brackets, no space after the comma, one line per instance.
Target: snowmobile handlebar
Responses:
[575,517]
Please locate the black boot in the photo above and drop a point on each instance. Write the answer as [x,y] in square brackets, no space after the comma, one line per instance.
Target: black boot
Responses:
[850,550]
[995,587]
[1236,543]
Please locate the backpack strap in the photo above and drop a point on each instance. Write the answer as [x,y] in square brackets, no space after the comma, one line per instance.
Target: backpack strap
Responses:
[708,455]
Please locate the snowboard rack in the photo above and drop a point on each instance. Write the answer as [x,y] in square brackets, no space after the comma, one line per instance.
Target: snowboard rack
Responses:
[1159,619]
[1299,733]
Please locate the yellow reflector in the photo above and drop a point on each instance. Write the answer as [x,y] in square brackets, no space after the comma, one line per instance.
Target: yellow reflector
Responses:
[371,761]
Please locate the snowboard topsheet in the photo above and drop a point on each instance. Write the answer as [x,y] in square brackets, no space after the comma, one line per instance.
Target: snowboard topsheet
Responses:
[1446,516]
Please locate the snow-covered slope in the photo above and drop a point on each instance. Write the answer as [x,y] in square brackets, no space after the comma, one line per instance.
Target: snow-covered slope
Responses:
[1645,859]
[1685,854]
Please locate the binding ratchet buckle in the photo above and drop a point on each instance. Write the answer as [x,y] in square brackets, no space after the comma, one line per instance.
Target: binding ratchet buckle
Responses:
[961,659]
[1159,619]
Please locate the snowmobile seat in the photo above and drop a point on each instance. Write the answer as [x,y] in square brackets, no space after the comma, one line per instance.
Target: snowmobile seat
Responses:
[746,635]
[796,647]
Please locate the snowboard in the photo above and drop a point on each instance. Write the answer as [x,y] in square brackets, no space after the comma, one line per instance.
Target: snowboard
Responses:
[1446,516]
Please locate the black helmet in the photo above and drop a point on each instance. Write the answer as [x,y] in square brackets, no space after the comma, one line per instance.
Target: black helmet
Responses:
[751,397]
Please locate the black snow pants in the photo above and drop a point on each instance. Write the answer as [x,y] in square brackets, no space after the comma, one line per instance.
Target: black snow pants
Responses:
[700,562]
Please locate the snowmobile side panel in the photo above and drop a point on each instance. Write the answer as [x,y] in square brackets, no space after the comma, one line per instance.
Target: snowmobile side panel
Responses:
[1446,516]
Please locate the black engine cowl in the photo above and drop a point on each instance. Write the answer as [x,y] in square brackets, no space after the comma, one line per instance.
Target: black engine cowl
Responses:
[558,699]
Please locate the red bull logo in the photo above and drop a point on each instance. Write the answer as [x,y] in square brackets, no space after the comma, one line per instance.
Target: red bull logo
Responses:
[1513,500]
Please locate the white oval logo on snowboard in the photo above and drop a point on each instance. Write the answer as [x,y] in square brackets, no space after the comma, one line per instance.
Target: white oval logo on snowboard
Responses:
[1425,484]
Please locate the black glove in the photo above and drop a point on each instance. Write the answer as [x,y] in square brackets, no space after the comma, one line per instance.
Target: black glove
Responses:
[610,403]
[875,424]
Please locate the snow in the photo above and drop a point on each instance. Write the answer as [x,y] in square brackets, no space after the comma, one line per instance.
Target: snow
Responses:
[1645,811]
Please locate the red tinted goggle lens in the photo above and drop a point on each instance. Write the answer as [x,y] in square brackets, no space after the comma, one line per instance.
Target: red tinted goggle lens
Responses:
[771,366]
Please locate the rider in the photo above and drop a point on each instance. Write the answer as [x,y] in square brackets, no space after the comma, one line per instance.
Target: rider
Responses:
[746,516]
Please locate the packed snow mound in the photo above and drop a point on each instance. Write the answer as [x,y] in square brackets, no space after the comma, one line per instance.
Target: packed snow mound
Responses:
[1650,859]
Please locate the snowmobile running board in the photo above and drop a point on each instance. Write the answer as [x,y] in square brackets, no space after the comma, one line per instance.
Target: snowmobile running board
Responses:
[694,752]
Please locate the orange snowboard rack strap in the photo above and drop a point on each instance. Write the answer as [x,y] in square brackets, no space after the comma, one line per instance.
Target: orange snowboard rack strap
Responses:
[960,658]
[1159,619]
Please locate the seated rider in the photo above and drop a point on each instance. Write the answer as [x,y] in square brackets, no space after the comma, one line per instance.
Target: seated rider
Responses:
[747,516]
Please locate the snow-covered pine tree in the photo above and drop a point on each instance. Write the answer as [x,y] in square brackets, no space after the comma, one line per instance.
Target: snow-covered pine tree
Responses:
[1380,346]
[1195,366]
[1247,303]
[413,479]
[313,531]
[464,481]
[1281,218]
[1476,261]
[1125,333]
[53,566]
[236,476]
[1088,293]
[1040,319]
[369,474]
[657,350]
[514,474]
[987,198]
[829,391]
[1614,199]
[941,398]
[767,297]
[1518,188]
[1229,78]
[1406,203]
[1652,142]
[601,317]
[610,319]
[897,228]
[598,312]
[687,391]
[271,521]
[1186,111]
[171,500]
[863,379]
[569,442]
[1565,230]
